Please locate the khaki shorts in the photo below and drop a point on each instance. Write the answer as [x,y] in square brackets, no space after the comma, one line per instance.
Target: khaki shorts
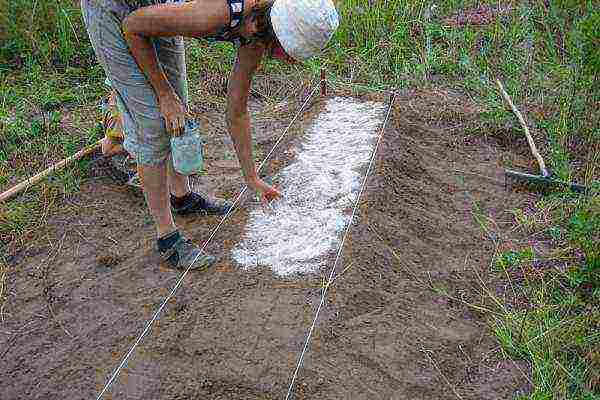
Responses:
[146,137]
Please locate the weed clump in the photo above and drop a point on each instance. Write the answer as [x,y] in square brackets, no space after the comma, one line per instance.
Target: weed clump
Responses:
[42,32]
[555,316]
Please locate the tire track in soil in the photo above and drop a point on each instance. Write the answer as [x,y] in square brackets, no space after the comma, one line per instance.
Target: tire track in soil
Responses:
[233,334]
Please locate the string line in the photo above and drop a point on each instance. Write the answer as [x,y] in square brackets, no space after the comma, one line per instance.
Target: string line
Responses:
[123,362]
[339,252]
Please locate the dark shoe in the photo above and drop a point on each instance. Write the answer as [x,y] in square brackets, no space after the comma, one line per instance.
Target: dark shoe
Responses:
[195,203]
[182,252]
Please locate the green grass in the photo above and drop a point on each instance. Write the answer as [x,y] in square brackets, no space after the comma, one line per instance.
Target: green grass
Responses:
[44,118]
[47,76]
[545,52]
[555,318]
[37,32]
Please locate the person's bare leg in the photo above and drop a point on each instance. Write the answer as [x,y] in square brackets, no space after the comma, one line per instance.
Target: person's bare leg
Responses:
[154,180]
[178,183]
[179,252]
[187,202]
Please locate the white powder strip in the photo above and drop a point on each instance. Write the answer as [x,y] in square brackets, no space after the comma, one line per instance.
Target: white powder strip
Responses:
[317,188]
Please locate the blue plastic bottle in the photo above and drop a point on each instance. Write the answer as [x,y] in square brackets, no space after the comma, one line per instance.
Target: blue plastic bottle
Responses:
[187,150]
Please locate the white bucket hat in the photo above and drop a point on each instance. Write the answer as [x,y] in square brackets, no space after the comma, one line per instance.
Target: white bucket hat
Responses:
[303,27]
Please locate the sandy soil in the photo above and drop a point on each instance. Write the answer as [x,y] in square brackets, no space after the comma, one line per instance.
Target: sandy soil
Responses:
[80,295]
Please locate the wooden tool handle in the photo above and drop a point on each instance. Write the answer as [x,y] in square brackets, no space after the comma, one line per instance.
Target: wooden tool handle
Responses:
[38,177]
[532,146]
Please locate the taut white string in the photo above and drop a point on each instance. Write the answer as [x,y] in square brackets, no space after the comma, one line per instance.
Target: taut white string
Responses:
[182,277]
[339,253]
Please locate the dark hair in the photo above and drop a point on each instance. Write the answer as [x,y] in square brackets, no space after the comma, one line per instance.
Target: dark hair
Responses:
[262,14]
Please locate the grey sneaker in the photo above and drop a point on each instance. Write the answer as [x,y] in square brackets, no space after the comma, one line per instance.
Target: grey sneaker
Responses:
[183,253]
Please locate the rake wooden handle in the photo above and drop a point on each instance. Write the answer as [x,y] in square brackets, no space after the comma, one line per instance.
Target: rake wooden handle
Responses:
[532,146]
[26,184]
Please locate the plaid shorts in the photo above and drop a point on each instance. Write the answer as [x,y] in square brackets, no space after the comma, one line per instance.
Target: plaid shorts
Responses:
[146,137]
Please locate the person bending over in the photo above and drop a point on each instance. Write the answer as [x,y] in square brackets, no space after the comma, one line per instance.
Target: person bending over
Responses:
[139,43]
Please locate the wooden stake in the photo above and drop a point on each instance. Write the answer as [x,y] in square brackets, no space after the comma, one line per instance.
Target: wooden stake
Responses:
[36,178]
[532,146]
[323,83]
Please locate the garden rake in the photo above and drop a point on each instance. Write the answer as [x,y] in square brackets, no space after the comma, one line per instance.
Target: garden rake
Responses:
[546,178]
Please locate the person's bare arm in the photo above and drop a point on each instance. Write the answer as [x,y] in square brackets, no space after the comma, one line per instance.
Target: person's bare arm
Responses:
[167,20]
[238,119]
[190,19]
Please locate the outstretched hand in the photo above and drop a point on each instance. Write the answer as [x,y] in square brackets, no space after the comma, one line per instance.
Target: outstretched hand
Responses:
[265,192]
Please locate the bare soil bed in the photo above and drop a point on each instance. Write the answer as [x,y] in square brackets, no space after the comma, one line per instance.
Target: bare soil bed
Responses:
[81,293]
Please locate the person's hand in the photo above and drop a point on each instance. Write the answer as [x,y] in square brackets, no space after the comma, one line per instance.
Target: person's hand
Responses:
[174,112]
[265,192]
